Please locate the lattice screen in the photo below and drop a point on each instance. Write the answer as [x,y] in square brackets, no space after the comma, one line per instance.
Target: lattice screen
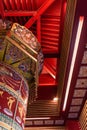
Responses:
[83,117]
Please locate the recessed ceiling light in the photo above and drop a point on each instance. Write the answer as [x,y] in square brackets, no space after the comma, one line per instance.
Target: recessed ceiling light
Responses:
[55,99]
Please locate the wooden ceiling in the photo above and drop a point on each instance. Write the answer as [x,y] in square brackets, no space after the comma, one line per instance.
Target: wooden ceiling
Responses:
[54,23]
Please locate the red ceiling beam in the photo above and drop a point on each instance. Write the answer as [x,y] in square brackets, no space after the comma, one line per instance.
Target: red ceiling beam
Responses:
[32,4]
[12,3]
[7,4]
[40,11]
[46,80]
[50,70]
[23,4]
[2,9]
[18,4]
[39,29]
[19,13]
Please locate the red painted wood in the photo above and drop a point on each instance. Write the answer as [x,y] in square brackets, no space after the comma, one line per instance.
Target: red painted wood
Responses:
[12,3]
[47,93]
[72,125]
[32,4]
[18,4]
[2,9]
[46,80]
[27,4]
[23,3]
[7,4]
[50,69]
[39,29]
[40,11]
[19,13]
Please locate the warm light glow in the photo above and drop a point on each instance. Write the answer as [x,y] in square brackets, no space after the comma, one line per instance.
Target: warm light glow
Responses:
[38,118]
[81,19]
[55,99]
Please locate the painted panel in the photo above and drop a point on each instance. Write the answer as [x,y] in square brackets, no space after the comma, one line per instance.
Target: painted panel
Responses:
[81,83]
[84,60]
[77,101]
[74,109]
[72,115]
[83,72]
[79,93]
[13,98]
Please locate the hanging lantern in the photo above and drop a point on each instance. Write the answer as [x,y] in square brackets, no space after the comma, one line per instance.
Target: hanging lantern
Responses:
[21,49]
[21,61]
[13,99]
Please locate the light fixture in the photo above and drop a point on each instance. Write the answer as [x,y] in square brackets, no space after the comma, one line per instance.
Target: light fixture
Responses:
[38,118]
[55,99]
[79,29]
